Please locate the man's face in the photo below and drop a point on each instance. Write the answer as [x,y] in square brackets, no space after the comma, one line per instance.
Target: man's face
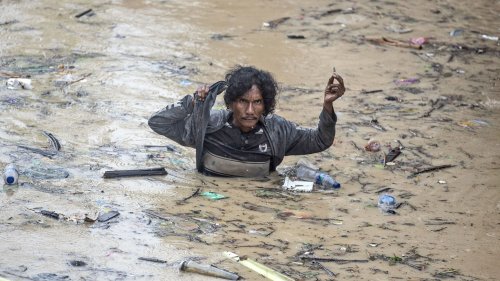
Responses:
[248,109]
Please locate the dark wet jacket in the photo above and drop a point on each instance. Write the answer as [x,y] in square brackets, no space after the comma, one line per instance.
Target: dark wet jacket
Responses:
[187,125]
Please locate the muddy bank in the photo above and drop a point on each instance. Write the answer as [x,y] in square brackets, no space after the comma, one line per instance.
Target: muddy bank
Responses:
[422,77]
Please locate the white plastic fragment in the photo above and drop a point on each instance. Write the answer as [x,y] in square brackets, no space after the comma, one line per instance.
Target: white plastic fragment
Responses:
[301,186]
[489,37]
[19,83]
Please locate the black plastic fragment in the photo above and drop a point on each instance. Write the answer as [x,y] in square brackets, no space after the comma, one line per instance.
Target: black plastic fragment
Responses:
[135,173]
[77,263]
[50,214]
[107,216]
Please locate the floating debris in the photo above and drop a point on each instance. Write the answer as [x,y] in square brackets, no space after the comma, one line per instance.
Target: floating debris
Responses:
[275,23]
[104,217]
[135,173]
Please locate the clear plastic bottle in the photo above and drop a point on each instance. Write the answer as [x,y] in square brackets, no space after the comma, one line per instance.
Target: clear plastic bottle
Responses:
[386,203]
[10,174]
[320,178]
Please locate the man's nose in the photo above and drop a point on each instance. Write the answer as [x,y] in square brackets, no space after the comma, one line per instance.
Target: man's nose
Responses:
[250,108]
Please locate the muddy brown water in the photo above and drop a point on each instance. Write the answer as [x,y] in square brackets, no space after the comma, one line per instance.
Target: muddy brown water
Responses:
[97,78]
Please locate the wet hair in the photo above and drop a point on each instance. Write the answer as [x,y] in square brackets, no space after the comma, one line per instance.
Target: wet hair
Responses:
[240,80]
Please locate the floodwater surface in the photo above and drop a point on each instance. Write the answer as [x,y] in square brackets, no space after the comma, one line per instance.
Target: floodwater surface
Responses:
[96,79]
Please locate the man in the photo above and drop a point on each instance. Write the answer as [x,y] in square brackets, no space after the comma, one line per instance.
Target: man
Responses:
[247,139]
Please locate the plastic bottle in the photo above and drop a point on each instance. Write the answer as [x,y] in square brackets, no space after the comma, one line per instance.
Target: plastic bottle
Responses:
[320,178]
[10,174]
[386,203]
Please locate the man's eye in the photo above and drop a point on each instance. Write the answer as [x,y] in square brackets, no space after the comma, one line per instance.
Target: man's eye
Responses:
[257,102]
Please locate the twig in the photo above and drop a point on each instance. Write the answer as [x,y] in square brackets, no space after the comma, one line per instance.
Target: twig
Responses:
[328,271]
[55,143]
[39,151]
[371,92]
[152,260]
[440,222]
[153,214]
[190,196]
[393,42]
[466,153]
[356,146]
[331,259]
[79,79]
[83,13]
[383,190]
[439,229]
[431,169]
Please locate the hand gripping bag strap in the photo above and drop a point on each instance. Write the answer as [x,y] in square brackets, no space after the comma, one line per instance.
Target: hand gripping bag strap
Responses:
[202,117]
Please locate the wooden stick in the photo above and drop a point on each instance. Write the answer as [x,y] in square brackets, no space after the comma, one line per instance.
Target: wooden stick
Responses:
[431,169]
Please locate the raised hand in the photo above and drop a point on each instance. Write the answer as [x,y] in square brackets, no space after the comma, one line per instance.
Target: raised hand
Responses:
[334,90]
[202,92]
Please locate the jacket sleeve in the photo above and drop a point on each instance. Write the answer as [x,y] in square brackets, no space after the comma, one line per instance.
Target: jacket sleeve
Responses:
[175,122]
[300,141]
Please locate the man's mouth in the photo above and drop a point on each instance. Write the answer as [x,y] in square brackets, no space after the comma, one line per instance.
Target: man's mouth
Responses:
[249,118]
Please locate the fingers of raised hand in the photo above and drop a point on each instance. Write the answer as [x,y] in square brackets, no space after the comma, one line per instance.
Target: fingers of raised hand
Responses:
[202,92]
[339,78]
[334,77]
[335,89]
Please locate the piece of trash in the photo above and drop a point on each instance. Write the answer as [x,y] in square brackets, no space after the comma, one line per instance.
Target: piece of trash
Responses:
[45,153]
[87,218]
[186,83]
[322,179]
[258,208]
[107,216]
[441,181]
[10,174]
[404,82]
[373,244]
[393,153]
[19,83]
[262,231]
[473,123]
[300,186]
[489,37]
[393,42]
[50,214]
[430,169]
[373,145]
[46,173]
[419,40]
[398,29]
[152,260]
[69,79]
[456,32]
[213,196]
[292,36]
[77,263]
[135,173]
[275,23]
[387,203]
[53,141]
[209,270]
[259,268]
[363,91]
[88,12]
[219,37]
